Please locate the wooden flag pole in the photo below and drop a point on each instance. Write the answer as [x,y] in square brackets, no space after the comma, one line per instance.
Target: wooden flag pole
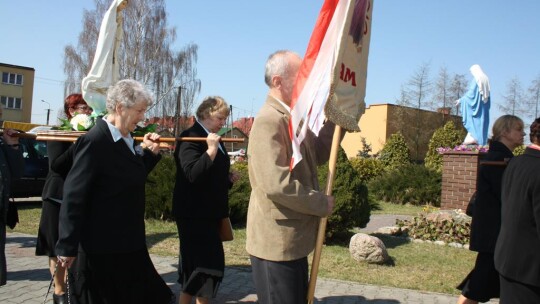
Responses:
[322,224]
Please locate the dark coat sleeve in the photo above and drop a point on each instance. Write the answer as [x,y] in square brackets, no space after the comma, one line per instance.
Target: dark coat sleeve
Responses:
[12,166]
[61,157]
[15,161]
[202,185]
[54,183]
[72,215]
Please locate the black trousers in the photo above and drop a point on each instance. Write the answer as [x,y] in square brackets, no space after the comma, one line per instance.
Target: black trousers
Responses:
[283,282]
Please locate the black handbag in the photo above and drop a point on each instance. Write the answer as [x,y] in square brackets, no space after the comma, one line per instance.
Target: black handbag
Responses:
[12,214]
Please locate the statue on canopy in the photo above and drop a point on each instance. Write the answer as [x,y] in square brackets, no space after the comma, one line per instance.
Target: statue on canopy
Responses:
[104,71]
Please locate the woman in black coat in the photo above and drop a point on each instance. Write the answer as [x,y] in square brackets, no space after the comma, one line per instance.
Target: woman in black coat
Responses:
[11,168]
[482,283]
[517,254]
[200,201]
[58,152]
[102,214]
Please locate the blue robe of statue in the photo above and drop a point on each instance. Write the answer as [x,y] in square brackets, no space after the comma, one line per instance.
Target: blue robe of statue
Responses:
[475,114]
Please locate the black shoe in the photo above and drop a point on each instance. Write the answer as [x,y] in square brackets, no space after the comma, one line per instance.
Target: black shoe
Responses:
[59,299]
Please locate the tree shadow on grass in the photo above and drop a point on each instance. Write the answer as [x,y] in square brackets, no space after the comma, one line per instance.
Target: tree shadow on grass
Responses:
[154,238]
[391,241]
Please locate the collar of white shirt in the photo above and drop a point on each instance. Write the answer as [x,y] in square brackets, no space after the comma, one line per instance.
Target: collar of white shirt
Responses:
[116,135]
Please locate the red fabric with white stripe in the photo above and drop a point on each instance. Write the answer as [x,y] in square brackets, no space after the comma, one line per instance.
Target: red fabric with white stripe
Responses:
[329,46]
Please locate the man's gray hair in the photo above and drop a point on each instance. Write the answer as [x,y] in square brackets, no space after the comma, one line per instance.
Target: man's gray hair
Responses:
[127,92]
[277,64]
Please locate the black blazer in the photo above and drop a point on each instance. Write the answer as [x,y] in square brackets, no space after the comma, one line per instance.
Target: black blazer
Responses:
[486,219]
[11,167]
[517,254]
[104,195]
[202,186]
[60,156]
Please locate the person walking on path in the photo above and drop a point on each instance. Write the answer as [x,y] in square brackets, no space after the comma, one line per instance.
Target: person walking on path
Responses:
[482,283]
[102,214]
[60,156]
[201,202]
[11,167]
[285,206]
[517,253]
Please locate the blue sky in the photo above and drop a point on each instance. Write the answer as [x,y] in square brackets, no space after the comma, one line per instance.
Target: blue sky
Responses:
[235,38]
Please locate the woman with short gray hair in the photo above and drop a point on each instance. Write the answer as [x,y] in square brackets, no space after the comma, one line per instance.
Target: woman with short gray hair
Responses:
[102,214]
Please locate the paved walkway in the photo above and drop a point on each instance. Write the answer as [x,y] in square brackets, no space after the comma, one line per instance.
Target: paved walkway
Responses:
[28,280]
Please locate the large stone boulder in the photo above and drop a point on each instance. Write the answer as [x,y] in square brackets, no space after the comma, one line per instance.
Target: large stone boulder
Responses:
[364,247]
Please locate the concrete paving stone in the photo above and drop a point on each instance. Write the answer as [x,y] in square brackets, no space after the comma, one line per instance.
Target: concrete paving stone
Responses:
[28,280]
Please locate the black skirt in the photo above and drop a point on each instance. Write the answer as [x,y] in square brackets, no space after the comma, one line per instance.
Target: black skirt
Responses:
[118,278]
[48,228]
[482,283]
[202,260]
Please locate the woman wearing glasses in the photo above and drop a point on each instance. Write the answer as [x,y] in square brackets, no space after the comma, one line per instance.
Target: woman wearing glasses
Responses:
[59,154]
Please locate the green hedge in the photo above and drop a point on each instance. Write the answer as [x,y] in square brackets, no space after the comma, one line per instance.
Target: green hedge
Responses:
[413,184]
[352,207]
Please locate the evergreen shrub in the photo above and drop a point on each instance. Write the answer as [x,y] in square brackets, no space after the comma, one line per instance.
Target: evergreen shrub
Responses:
[159,189]
[411,184]
[239,195]
[352,207]
[519,150]
[367,168]
[447,136]
[395,152]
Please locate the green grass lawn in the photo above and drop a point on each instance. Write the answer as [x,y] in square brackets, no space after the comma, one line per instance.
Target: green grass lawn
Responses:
[425,267]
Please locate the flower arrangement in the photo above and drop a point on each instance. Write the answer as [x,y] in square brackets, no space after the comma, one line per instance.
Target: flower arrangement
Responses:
[84,122]
[79,122]
[463,148]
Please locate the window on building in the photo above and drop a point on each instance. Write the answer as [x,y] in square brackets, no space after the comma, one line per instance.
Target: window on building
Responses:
[11,78]
[11,102]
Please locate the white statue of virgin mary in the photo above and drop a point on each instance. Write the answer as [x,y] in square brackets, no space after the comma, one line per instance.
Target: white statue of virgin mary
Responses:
[104,71]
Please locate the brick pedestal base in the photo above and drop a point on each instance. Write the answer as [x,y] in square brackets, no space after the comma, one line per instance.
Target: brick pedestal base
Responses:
[459,178]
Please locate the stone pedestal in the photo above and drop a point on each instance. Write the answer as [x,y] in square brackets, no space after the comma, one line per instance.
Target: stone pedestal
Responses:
[459,175]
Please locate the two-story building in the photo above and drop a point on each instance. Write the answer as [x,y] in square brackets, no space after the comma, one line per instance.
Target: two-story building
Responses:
[16,92]
[380,121]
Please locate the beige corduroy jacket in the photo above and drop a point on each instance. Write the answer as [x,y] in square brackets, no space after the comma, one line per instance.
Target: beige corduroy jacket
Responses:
[285,207]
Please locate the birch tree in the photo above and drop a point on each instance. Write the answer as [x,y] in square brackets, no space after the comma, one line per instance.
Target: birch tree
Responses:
[443,95]
[146,54]
[514,102]
[534,95]
[457,89]
[410,117]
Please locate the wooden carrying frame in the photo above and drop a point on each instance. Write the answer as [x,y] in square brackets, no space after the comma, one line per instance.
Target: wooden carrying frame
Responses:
[71,136]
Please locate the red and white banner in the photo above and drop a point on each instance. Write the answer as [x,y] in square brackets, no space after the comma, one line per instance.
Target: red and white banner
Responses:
[331,82]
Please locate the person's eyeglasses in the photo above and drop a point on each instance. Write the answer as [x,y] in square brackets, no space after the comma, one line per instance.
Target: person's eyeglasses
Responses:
[82,108]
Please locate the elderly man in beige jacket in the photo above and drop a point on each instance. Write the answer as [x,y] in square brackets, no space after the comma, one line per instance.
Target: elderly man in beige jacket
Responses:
[285,206]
